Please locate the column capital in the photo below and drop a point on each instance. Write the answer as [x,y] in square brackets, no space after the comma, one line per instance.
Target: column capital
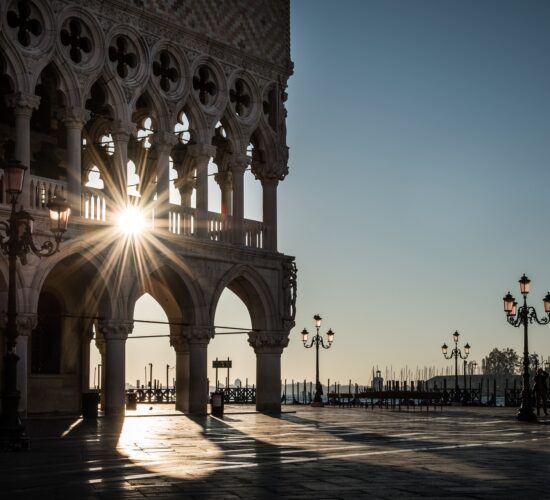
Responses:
[179,343]
[115,329]
[163,141]
[23,103]
[238,164]
[122,131]
[224,178]
[201,152]
[198,334]
[270,173]
[26,323]
[268,342]
[76,117]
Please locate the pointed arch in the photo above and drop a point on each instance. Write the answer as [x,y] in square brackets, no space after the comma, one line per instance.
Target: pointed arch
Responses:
[67,83]
[175,289]
[249,285]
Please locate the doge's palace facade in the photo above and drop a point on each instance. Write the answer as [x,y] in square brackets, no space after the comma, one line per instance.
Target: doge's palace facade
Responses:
[131,103]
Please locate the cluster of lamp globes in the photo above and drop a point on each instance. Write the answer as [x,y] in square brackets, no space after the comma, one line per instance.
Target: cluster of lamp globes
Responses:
[510,304]
[330,334]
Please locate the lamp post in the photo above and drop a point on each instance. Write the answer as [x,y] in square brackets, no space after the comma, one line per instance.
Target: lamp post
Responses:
[317,341]
[523,316]
[17,241]
[456,353]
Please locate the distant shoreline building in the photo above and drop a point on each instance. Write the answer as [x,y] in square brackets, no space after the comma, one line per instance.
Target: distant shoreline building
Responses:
[126,103]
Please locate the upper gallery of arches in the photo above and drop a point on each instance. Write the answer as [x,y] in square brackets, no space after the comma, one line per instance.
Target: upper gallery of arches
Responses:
[216,61]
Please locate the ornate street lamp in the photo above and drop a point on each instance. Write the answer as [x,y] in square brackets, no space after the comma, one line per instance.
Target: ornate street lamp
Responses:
[17,241]
[523,316]
[456,353]
[317,341]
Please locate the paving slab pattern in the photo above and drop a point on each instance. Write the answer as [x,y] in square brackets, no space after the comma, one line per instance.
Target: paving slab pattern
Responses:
[313,453]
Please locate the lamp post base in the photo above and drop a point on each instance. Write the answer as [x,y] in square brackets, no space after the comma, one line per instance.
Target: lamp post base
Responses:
[13,436]
[526,414]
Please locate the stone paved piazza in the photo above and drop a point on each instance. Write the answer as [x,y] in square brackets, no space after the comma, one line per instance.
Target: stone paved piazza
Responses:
[308,453]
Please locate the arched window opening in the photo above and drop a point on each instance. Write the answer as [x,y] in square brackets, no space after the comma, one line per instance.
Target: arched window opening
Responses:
[183,129]
[94,178]
[232,312]
[175,196]
[46,337]
[133,180]
[142,352]
[144,133]
[253,201]
[106,141]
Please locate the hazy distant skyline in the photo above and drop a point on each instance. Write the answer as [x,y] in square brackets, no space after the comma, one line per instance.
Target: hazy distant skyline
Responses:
[418,188]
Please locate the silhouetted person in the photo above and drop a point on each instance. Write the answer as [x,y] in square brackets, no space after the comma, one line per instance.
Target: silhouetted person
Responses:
[541,389]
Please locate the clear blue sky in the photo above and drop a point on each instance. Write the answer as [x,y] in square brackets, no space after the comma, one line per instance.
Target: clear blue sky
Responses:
[419,175]
[419,182]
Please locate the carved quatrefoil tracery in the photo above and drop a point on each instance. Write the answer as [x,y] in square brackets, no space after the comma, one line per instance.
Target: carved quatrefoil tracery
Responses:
[164,68]
[75,37]
[240,99]
[122,54]
[204,85]
[25,21]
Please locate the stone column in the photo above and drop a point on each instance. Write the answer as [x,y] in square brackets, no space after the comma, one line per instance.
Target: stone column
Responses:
[269,186]
[100,344]
[181,346]
[74,120]
[224,180]
[26,323]
[23,105]
[87,337]
[163,142]
[121,136]
[200,155]
[198,338]
[115,334]
[238,167]
[268,347]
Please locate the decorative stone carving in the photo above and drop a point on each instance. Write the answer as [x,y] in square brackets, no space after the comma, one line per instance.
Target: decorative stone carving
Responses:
[290,287]
[123,130]
[26,323]
[76,117]
[179,343]
[115,329]
[268,341]
[22,102]
[75,37]
[198,334]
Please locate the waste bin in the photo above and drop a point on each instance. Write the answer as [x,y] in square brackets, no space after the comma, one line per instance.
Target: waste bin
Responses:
[216,403]
[131,401]
[90,401]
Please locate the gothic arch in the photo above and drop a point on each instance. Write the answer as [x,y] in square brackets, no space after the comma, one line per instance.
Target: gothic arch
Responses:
[252,289]
[67,83]
[200,130]
[174,289]
[75,265]
[12,62]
